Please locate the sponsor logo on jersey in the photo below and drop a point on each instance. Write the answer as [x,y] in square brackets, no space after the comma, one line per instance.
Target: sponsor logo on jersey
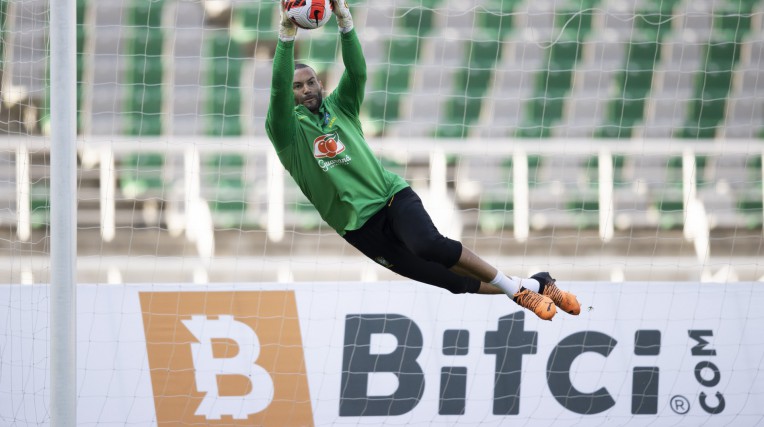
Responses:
[328,145]
[226,358]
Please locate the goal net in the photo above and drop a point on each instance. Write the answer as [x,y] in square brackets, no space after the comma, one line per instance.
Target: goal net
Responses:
[615,143]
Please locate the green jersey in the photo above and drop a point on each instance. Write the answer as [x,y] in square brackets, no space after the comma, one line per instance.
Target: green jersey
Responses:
[326,153]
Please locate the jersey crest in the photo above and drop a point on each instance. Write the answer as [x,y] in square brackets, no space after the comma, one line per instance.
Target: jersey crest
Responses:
[328,145]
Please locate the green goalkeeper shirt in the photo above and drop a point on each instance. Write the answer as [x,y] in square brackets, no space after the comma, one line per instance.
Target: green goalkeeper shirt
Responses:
[326,153]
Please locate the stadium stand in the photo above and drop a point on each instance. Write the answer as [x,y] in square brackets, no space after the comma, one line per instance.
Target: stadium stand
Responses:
[540,69]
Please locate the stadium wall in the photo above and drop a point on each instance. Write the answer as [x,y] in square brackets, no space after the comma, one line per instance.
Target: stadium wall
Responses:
[391,353]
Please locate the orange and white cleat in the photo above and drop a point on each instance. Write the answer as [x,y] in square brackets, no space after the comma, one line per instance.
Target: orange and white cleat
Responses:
[565,300]
[540,305]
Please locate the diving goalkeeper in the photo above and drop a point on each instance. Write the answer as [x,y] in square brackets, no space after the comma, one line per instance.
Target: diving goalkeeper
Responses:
[320,142]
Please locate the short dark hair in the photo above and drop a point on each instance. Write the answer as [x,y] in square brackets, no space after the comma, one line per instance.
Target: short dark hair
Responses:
[300,65]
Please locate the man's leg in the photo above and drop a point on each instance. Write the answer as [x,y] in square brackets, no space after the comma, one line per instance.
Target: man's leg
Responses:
[377,241]
[413,226]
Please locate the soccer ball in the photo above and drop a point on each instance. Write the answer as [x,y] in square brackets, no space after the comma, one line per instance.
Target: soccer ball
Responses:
[308,14]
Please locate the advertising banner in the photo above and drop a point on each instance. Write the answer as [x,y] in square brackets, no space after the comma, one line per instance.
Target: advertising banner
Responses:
[393,353]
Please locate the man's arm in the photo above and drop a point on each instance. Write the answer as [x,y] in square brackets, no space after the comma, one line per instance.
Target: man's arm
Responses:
[279,121]
[350,90]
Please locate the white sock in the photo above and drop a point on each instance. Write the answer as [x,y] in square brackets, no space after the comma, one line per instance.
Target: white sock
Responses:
[510,285]
[532,285]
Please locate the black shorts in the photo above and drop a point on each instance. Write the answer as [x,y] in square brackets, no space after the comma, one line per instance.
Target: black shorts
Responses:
[402,237]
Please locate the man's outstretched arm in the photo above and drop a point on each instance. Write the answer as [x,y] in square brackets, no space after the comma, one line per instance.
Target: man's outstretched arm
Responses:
[279,121]
[350,90]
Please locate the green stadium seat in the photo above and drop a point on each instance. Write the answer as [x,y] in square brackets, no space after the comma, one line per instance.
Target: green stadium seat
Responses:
[574,16]
[403,50]
[382,108]
[551,88]
[319,52]
[553,82]
[753,167]
[223,107]
[39,205]
[146,41]
[670,211]
[224,173]
[418,20]
[472,81]
[496,18]
[145,71]
[565,52]
[225,102]
[483,53]
[751,211]
[252,21]
[393,78]
[655,17]
[451,130]
[626,112]
[145,13]
[634,83]
[585,211]
[495,214]
[462,109]
[643,53]
[734,19]
[460,112]
[707,111]
[712,88]
[544,112]
[141,174]
[721,54]
[613,130]
[531,130]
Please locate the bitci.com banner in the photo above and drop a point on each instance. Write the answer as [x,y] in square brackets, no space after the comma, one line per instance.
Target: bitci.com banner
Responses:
[400,353]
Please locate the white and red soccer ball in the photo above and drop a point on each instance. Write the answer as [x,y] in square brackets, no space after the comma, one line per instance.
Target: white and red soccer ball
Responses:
[308,14]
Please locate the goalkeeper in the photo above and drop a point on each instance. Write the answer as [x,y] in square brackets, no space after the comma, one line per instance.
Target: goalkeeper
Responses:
[320,142]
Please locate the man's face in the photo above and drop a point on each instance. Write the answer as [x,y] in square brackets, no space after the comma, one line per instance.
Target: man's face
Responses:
[307,89]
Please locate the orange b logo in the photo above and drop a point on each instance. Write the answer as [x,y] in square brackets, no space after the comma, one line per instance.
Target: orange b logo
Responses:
[226,358]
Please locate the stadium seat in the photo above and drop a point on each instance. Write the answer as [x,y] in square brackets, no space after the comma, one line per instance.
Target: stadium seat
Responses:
[462,109]
[381,107]
[451,130]
[496,18]
[585,211]
[656,17]
[393,78]
[712,88]
[472,81]
[253,21]
[733,19]
[143,47]
[750,209]
[141,175]
[320,52]
[552,86]
[483,53]
[545,108]
[418,20]
[565,52]
[39,204]
[575,15]
[225,59]
[643,52]
[403,50]
[225,177]
[145,13]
